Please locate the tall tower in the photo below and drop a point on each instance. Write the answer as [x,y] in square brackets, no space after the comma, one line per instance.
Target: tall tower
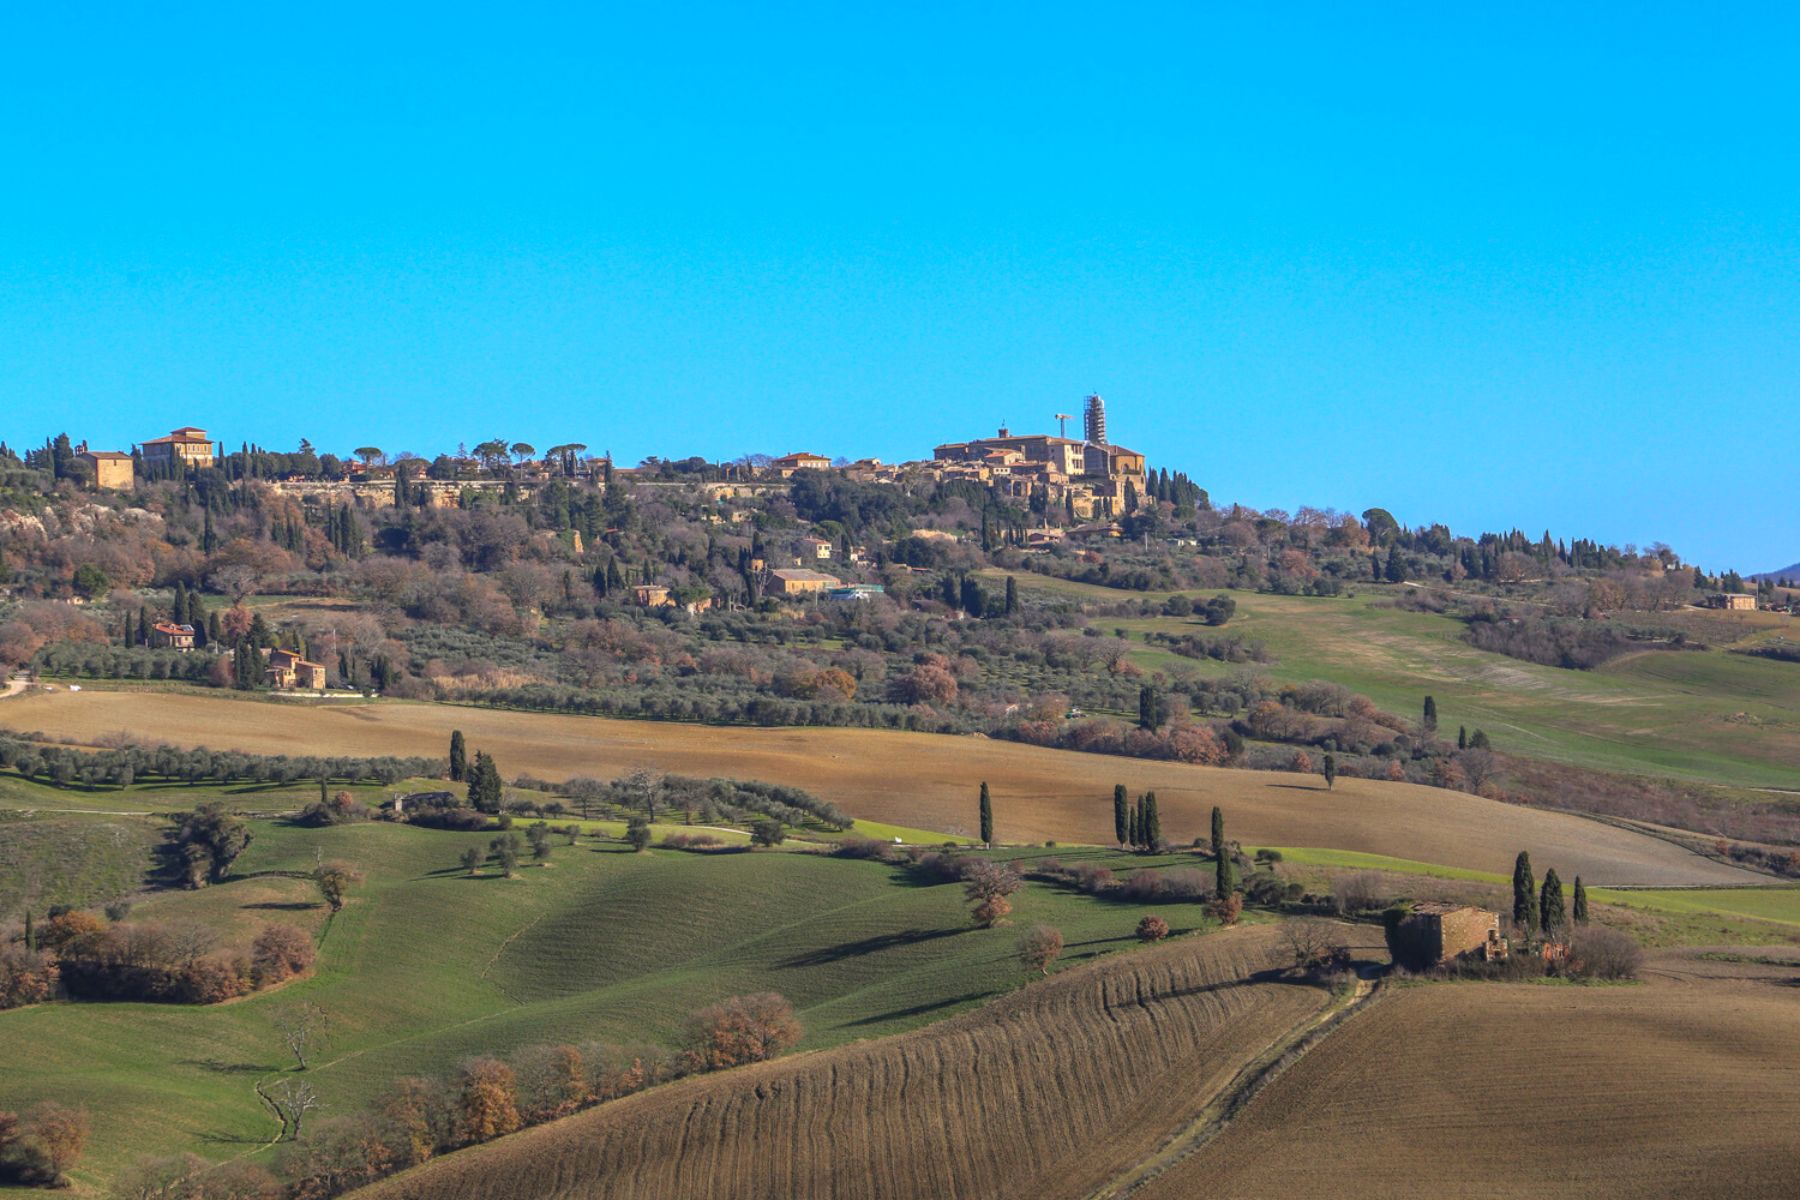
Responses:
[1094,423]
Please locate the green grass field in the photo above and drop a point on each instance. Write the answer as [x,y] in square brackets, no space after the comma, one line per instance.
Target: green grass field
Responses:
[427,966]
[1706,716]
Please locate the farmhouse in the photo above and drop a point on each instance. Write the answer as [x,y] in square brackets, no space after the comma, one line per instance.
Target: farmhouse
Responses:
[184,449]
[166,635]
[787,464]
[798,581]
[112,468]
[289,672]
[650,595]
[1441,932]
[817,548]
[1735,601]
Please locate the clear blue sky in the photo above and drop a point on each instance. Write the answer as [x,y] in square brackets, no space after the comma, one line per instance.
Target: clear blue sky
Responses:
[1493,266]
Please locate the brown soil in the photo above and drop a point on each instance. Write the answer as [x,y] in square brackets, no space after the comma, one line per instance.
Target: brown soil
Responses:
[1687,1088]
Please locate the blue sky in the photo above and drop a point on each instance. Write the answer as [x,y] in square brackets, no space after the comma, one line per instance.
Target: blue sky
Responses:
[1495,267]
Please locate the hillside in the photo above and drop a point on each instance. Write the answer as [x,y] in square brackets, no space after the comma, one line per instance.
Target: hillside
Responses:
[1688,1086]
[920,780]
[961,1109]
[427,966]
[1708,716]
[1791,571]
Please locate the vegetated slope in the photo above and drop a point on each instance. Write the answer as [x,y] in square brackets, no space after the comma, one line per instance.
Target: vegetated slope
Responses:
[1045,1093]
[1683,1088]
[926,781]
[1709,717]
[427,966]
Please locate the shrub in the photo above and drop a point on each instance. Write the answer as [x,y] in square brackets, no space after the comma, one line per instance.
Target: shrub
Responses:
[1152,929]
[1177,885]
[1597,952]
[1040,946]
[212,980]
[279,953]
[1225,909]
[25,977]
[637,833]
[860,847]
[692,841]
[1356,892]
[740,1030]
[768,832]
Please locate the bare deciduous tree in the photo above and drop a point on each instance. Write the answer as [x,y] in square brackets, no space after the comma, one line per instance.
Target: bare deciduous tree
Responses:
[290,1101]
[304,1028]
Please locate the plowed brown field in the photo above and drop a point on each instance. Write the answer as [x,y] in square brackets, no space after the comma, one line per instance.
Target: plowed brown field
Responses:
[926,781]
[1046,1093]
[1687,1086]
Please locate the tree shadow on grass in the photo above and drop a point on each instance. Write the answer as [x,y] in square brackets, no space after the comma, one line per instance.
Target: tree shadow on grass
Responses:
[281,906]
[869,945]
[919,1010]
[218,1067]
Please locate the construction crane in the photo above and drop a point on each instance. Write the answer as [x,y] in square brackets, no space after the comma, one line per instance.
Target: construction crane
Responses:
[1062,428]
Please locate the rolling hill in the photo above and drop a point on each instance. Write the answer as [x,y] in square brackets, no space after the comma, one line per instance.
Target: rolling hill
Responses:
[924,781]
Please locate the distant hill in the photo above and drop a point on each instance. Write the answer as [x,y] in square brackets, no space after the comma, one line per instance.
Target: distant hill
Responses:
[1788,572]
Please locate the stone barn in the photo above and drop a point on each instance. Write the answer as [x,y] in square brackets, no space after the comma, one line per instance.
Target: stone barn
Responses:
[1436,932]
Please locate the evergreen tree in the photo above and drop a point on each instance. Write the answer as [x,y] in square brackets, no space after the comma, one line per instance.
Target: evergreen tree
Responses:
[1121,817]
[1131,826]
[459,756]
[1581,913]
[1551,917]
[1012,595]
[987,816]
[1224,876]
[1152,822]
[1431,720]
[484,784]
[1330,770]
[1524,892]
[143,630]
[30,934]
[1462,737]
[1396,570]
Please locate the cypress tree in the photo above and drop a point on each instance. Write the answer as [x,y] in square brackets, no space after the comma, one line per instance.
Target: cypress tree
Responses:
[1131,826]
[1581,914]
[178,605]
[459,756]
[987,816]
[1551,916]
[1524,892]
[30,934]
[1218,832]
[1142,824]
[1012,595]
[1121,817]
[1462,737]
[1224,876]
[1152,822]
[1430,715]
[1330,770]
[143,630]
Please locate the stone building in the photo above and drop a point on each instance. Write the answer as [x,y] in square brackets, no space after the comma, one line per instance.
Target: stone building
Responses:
[1440,932]
[186,448]
[112,469]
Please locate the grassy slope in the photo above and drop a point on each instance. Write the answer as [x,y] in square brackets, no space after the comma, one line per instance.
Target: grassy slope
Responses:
[1708,716]
[427,966]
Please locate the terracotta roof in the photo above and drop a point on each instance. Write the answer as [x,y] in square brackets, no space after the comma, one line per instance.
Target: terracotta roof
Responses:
[1443,908]
[168,627]
[801,575]
[108,454]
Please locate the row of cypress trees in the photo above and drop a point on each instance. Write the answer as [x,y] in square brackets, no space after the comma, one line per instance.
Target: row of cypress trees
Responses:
[1540,910]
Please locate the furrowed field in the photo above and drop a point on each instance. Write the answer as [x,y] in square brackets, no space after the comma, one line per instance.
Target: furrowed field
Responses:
[920,780]
[1047,1093]
[1686,1086]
